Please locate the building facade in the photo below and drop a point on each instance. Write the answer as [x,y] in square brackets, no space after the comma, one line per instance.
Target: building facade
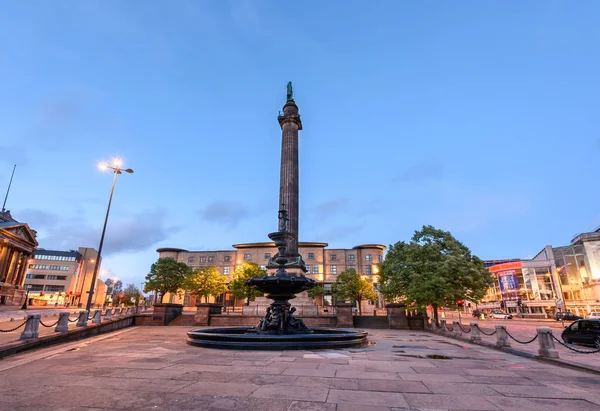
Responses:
[323,264]
[17,242]
[63,277]
[564,278]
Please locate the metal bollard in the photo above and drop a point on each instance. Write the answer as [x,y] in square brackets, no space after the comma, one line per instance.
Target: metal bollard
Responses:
[547,348]
[32,327]
[63,323]
[97,317]
[456,329]
[108,315]
[443,328]
[83,318]
[501,337]
[475,332]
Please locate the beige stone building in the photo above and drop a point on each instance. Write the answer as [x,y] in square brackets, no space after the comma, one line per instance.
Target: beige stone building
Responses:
[63,277]
[324,264]
[17,242]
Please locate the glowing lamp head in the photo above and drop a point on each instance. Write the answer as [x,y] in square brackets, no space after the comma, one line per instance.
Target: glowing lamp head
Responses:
[117,162]
[102,166]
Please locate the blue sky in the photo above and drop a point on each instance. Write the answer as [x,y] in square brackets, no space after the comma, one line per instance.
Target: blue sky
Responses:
[476,117]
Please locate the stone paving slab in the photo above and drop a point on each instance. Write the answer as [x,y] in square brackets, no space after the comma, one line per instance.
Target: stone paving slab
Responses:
[152,368]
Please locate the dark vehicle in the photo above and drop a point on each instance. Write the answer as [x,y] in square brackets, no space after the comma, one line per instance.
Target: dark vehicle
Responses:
[477,313]
[583,332]
[567,316]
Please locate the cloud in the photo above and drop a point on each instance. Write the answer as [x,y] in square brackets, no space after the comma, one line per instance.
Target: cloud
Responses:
[340,232]
[225,213]
[331,207]
[426,169]
[131,233]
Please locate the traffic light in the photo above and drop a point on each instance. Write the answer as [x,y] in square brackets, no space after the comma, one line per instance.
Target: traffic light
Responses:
[460,303]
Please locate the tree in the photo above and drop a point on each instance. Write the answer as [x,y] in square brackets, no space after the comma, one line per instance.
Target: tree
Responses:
[435,269]
[131,291]
[238,286]
[315,291]
[113,288]
[166,276]
[350,286]
[206,281]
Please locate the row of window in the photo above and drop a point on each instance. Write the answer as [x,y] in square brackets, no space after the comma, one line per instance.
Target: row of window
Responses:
[248,257]
[53,257]
[314,269]
[49,288]
[49,267]
[46,277]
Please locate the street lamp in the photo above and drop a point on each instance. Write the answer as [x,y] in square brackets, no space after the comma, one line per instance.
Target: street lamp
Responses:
[116,167]
[28,288]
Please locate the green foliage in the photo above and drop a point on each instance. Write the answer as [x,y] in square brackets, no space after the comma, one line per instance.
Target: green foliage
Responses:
[166,276]
[130,291]
[113,289]
[435,269]
[206,281]
[241,274]
[315,291]
[350,286]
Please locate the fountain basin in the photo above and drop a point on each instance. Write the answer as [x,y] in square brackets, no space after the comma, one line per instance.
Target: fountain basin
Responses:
[246,338]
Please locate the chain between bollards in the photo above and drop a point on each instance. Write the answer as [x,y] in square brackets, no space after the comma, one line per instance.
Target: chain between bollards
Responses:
[462,329]
[16,328]
[522,342]
[48,326]
[484,333]
[574,349]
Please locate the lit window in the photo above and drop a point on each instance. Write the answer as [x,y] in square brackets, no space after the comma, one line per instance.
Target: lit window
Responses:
[226,270]
[368,257]
[263,267]
[333,269]
[51,277]
[315,269]
[29,276]
[311,256]
[247,257]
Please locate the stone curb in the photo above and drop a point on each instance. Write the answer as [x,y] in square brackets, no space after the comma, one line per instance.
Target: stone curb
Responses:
[74,334]
[519,353]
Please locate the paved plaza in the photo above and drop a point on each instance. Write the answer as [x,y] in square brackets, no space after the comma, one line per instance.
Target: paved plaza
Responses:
[152,368]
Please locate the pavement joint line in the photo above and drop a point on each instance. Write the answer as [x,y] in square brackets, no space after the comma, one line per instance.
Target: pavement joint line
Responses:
[63,348]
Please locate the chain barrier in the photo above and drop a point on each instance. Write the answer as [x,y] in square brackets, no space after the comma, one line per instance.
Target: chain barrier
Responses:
[16,328]
[574,349]
[484,333]
[449,329]
[522,342]
[463,330]
[48,326]
[75,320]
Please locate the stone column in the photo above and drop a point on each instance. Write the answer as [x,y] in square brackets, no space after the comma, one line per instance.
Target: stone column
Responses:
[344,315]
[547,348]
[475,332]
[63,323]
[396,314]
[4,261]
[11,266]
[501,337]
[23,268]
[443,326]
[288,181]
[32,327]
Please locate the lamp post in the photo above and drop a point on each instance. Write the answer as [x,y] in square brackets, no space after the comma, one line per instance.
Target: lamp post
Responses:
[24,306]
[116,167]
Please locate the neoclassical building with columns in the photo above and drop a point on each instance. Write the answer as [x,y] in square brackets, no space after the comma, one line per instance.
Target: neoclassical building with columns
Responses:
[17,242]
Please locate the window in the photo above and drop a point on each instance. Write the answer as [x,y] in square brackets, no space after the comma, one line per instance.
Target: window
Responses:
[267,256]
[227,259]
[54,288]
[38,266]
[351,257]
[352,267]
[191,259]
[202,259]
[333,269]
[211,259]
[380,258]
[311,256]
[332,257]
[247,257]
[263,267]
[35,287]
[369,270]
[315,269]
[29,276]
[39,276]
[368,257]
[61,277]
[51,277]
[226,270]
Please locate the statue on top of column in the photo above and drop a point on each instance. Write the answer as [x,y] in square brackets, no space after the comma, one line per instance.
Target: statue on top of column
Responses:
[290,93]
